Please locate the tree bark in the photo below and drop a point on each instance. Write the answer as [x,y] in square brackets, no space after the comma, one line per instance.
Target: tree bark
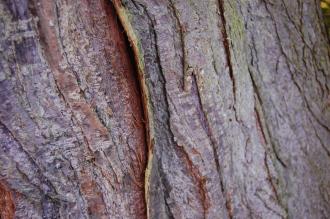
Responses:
[164,109]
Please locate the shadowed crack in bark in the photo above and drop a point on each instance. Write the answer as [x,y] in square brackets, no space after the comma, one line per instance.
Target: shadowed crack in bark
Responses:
[140,77]
[226,44]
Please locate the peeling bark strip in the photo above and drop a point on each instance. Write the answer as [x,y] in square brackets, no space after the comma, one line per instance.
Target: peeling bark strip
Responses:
[148,124]
[164,109]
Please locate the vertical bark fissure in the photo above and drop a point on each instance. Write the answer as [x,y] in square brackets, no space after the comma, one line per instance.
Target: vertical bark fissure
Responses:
[89,157]
[263,125]
[195,173]
[140,77]
[75,73]
[226,44]
[270,179]
[186,72]
[87,140]
[323,145]
[259,126]
[266,138]
[190,81]
[57,12]
[207,128]
[154,33]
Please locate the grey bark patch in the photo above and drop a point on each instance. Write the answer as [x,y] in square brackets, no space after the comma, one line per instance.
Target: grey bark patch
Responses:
[25,51]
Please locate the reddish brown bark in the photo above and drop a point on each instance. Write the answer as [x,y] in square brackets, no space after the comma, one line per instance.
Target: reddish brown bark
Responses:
[104,105]
[7,206]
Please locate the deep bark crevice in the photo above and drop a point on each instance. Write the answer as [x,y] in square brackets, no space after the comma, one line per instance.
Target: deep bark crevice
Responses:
[227,50]
[136,56]
[226,45]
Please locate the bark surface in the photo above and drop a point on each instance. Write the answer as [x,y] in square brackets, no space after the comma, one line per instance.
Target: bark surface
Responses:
[164,109]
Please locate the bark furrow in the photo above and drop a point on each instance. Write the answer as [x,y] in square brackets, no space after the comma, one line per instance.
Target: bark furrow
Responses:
[164,109]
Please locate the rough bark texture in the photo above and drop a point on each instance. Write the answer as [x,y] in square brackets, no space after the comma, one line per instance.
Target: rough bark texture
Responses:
[164,109]
[72,134]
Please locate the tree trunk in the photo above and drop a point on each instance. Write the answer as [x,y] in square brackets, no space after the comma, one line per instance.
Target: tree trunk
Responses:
[164,109]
